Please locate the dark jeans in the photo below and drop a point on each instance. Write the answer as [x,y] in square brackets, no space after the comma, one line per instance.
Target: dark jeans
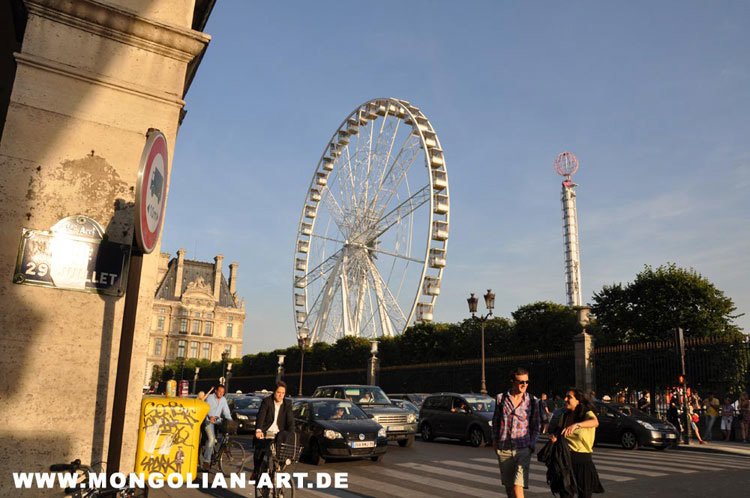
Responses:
[261,447]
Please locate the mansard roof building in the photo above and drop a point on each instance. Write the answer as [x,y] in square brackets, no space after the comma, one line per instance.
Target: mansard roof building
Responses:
[196,313]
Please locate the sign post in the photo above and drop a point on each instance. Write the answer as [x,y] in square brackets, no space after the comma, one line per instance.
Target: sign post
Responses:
[150,202]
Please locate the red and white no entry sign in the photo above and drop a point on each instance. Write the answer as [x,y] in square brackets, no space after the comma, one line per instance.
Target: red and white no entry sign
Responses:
[151,191]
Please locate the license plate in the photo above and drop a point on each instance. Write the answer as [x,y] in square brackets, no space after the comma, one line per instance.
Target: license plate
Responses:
[671,436]
[363,444]
[395,427]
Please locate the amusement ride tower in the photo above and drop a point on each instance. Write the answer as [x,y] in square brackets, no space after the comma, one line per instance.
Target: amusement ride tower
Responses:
[566,164]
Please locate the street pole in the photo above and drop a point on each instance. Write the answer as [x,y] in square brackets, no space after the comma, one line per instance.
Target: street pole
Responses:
[680,344]
[229,376]
[195,378]
[484,380]
[301,368]
[123,361]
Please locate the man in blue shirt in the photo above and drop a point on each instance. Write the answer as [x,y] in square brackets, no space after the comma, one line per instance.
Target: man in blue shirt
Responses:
[219,411]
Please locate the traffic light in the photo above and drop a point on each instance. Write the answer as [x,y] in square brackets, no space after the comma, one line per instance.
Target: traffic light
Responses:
[682,379]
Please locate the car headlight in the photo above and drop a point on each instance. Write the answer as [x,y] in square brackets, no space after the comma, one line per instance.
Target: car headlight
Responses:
[489,422]
[329,434]
[382,432]
[241,417]
[411,418]
[646,425]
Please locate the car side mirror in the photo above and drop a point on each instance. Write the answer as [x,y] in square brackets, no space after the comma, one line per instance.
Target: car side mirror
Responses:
[611,415]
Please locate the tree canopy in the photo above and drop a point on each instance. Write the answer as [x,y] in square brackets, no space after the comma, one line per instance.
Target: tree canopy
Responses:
[657,301]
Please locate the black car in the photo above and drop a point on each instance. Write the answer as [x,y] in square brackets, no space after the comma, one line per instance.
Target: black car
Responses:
[334,428]
[626,425]
[244,410]
[400,424]
[458,416]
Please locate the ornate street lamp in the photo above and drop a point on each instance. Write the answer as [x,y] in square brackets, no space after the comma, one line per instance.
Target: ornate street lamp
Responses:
[229,376]
[303,340]
[224,356]
[489,302]
[280,369]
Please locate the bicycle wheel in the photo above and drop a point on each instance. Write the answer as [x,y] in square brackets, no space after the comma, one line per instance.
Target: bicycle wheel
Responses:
[283,492]
[232,458]
[263,492]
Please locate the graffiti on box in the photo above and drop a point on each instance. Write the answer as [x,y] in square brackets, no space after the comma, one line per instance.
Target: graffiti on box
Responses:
[169,431]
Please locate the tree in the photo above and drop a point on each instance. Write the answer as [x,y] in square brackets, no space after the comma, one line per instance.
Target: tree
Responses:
[657,301]
[543,327]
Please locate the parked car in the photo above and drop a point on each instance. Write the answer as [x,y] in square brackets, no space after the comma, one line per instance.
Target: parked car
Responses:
[244,410]
[334,428]
[626,425]
[400,424]
[458,416]
[416,398]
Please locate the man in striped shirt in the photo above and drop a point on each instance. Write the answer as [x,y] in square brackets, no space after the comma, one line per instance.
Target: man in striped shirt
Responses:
[515,428]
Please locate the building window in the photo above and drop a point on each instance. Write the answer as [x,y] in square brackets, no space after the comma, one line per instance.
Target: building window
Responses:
[162,310]
[230,318]
[228,350]
[196,327]
[206,350]
[229,329]
[160,325]
[157,347]
[183,326]
[208,328]
[181,349]
[193,349]
[209,315]
[183,313]
[197,315]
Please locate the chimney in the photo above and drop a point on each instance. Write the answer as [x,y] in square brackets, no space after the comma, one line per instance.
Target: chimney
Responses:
[233,278]
[180,268]
[217,276]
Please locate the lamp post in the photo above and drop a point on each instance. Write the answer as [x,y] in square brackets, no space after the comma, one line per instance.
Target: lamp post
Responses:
[224,356]
[303,339]
[280,369]
[583,344]
[182,367]
[229,376]
[372,371]
[489,302]
[195,378]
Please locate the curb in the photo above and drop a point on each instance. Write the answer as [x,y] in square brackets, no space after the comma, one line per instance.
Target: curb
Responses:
[708,448]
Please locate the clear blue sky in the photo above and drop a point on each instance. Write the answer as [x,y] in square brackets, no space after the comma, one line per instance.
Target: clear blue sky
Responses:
[653,98]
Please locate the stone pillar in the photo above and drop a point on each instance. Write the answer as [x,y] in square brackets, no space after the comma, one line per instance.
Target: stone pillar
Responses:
[91,78]
[180,270]
[217,275]
[584,361]
[233,278]
[373,371]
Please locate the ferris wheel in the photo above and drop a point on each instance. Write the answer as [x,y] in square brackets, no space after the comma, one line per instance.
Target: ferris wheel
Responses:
[373,234]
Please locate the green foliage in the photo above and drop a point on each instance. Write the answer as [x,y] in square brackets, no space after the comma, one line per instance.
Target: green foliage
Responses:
[657,301]
[544,327]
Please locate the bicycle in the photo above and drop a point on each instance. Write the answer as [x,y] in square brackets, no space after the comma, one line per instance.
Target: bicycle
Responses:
[228,454]
[277,458]
[81,489]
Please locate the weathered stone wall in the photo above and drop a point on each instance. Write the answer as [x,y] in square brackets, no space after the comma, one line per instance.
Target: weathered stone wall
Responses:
[92,77]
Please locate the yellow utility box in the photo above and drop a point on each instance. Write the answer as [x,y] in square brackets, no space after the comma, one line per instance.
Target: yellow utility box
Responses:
[169,435]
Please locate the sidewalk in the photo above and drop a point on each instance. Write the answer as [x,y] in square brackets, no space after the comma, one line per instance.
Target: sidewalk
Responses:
[714,446]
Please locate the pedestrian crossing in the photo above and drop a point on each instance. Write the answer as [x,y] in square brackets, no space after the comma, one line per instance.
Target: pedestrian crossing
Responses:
[480,476]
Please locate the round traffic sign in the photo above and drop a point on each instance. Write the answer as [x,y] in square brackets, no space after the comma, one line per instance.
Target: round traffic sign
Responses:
[151,191]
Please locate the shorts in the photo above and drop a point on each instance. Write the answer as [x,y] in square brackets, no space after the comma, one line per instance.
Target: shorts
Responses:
[726,423]
[514,467]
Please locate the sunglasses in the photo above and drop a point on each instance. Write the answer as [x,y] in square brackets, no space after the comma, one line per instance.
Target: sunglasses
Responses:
[522,382]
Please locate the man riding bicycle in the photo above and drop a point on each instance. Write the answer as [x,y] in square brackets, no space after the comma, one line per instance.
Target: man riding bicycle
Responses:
[219,411]
[274,416]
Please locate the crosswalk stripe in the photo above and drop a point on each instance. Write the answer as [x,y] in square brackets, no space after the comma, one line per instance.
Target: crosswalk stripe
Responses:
[435,483]
[675,457]
[324,493]
[535,467]
[380,487]
[639,471]
[492,481]
[684,469]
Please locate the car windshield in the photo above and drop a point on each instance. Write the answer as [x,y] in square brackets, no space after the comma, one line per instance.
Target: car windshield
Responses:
[366,395]
[481,403]
[632,411]
[417,398]
[247,403]
[339,410]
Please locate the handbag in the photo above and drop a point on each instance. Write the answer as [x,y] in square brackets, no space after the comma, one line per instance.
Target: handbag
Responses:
[695,418]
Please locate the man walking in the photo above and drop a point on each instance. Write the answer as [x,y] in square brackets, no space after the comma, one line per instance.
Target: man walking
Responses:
[515,428]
